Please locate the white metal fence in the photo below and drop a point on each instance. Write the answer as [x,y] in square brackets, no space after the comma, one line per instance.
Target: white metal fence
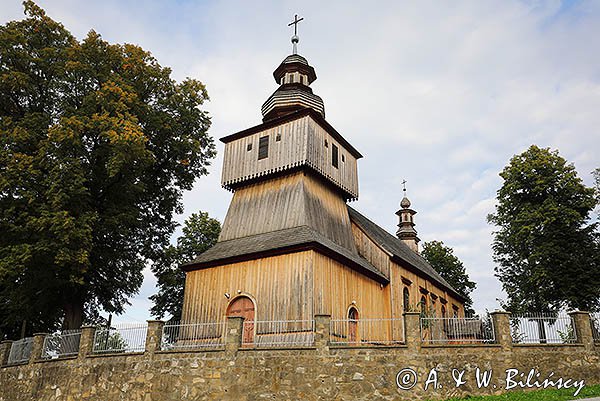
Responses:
[540,328]
[366,331]
[457,330]
[278,333]
[20,350]
[65,343]
[595,322]
[120,338]
[182,336]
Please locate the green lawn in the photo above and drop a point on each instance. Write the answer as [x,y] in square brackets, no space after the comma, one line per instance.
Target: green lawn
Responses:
[541,395]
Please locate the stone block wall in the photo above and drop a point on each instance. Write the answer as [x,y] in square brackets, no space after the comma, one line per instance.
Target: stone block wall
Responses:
[322,372]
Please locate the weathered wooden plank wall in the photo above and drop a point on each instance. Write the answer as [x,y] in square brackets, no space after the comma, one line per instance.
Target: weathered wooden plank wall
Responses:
[280,285]
[288,201]
[302,142]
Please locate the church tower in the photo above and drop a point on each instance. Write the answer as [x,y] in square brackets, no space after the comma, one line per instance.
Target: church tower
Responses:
[290,247]
[406,226]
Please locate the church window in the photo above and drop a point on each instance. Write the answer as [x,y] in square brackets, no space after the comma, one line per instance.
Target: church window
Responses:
[423,304]
[343,159]
[406,296]
[278,137]
[249,147]
[443,312]
[263,147]
[326,143]
[334,155]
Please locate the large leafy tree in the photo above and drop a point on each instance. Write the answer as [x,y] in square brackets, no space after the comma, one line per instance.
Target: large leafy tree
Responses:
[450,267]
[546,249]
[200,232]
[97,144]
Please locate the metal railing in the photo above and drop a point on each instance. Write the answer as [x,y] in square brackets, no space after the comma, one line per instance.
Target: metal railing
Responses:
[181,336]
[278,333]
[20,350]
[366,331]
[120,338]
[540,328]
[457,330]
[595,322]
[65,343]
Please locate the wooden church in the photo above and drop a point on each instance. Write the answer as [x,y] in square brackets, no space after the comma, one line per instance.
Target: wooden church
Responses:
[291,247]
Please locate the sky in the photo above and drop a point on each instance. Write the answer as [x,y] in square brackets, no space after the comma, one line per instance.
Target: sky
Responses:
[439,93]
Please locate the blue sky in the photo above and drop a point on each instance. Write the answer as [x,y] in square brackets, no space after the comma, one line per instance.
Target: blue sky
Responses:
[441,94]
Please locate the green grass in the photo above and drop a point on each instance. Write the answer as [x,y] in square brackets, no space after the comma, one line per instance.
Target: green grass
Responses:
[541,395]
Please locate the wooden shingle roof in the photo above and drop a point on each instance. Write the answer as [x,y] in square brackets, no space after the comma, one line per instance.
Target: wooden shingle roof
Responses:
[399,251]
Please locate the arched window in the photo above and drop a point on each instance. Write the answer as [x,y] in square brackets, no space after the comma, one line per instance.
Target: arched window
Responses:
[406,298]
[423,304]
[443,311]
[353,325]
[243,307]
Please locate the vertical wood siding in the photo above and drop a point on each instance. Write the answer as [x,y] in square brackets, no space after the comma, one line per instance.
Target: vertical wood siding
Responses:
[280,285]
[336,286]
[371,251]
[302,143]
[289,201]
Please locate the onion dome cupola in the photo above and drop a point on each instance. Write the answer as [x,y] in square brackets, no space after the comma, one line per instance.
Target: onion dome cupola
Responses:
[406,226]
[294,76]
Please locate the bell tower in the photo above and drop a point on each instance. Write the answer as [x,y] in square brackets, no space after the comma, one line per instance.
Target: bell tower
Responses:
[406,226]
[294,169]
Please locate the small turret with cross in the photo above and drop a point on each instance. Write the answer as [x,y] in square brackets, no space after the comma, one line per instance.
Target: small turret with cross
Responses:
[406,226]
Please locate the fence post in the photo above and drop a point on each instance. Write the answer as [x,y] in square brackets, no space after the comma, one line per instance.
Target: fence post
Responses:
[154,336]
[37,347]
[86,342]
[412,330]
[233,335]
[583,328]
[501,321]
[5,351]
[322,332]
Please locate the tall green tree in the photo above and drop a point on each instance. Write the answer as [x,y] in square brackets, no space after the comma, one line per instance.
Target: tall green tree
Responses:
[200,232]
[97,145]
[443,260]
[546,249]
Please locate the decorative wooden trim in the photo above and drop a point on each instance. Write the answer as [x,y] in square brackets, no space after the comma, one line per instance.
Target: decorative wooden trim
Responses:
[406,265]
[424,291]
[433,296]
[455,307]
[443,300]
[406,281]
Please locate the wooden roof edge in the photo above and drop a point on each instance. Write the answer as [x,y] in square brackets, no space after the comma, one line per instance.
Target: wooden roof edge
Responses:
[312,245]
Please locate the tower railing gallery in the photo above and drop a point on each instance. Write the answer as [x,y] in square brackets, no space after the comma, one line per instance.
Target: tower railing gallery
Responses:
[412,331]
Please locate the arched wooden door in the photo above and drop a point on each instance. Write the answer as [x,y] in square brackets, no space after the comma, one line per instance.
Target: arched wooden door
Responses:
[353,325]
[244,307]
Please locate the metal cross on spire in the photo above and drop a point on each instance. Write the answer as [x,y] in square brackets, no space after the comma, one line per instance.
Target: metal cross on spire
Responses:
[404,186]
[295,38]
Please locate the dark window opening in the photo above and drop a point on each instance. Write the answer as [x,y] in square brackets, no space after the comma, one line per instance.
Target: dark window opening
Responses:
[278,137]
[326,143]
[263,147]
[406,299]
[343,159]
[334,155]
[249,147]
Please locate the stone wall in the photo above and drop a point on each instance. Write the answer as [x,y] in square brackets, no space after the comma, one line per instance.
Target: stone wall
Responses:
[322,372]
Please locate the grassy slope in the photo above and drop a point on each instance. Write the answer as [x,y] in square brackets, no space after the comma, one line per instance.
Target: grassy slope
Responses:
[542,395]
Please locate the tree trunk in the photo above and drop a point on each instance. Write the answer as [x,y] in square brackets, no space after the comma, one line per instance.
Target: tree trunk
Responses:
[73,315]
[542,331]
